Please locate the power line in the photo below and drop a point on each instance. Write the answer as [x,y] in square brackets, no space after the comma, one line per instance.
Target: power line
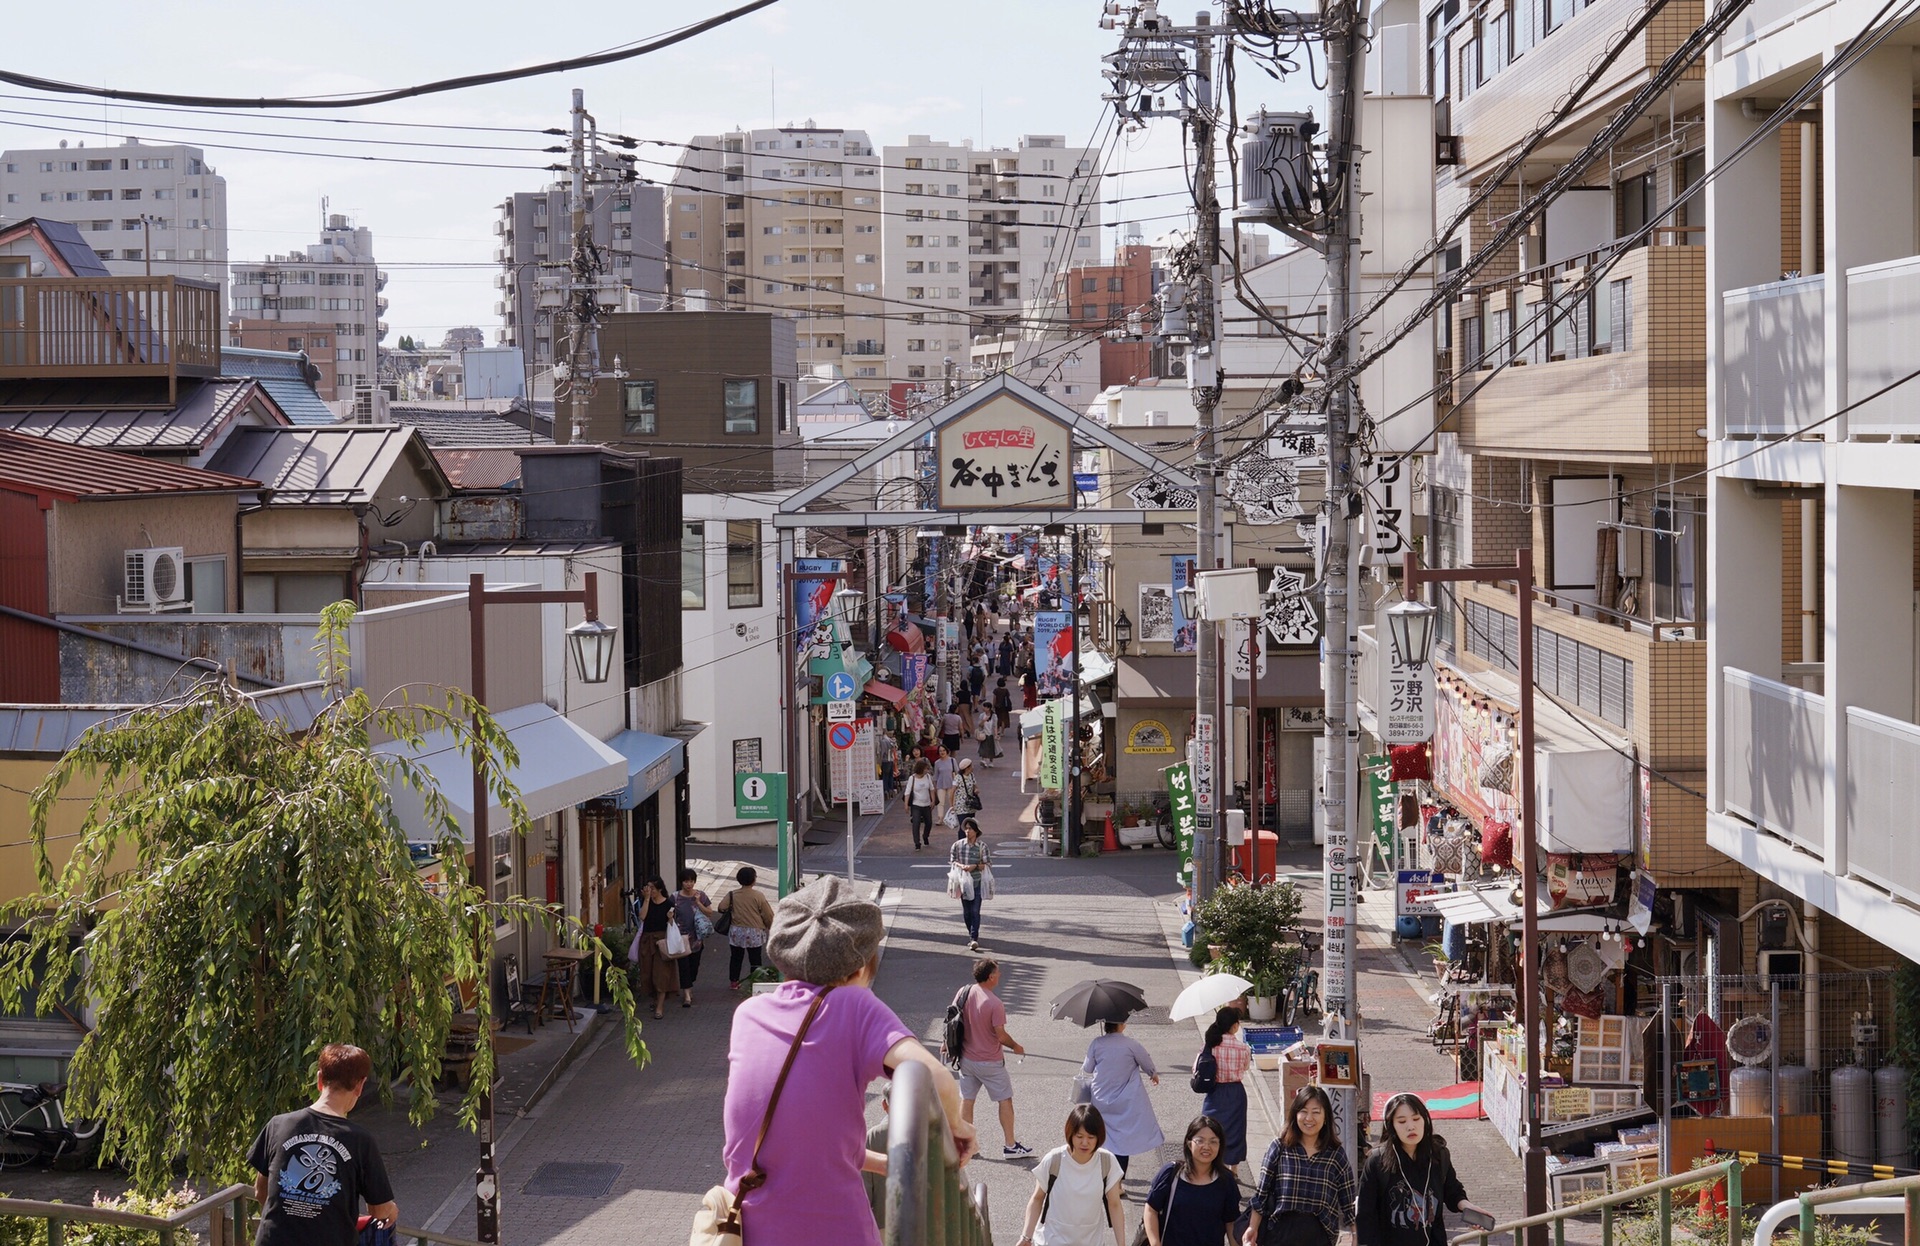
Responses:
[464,82]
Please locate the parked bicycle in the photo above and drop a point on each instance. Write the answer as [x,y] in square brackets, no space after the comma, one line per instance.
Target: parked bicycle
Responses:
[34,1128]
[1302,996]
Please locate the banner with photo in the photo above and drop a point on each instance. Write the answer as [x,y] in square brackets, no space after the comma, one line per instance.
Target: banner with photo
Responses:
[1186,632]
[1156,614]
[1053,654]
[813,599]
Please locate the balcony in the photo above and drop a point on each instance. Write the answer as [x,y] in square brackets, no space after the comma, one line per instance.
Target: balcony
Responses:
[1883,789]
[1774,357]
[109,326]
[1773,746]
[1883,323]
[1621,377]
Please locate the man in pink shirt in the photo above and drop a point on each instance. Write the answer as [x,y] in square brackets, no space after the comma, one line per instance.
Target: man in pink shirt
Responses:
[982,1067]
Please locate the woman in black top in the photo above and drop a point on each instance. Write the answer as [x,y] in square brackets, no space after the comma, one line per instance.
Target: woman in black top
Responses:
[1408,1183]
[658,976]
[1195,1200]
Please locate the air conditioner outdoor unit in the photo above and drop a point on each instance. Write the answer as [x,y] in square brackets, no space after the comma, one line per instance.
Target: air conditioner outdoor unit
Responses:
[156,579]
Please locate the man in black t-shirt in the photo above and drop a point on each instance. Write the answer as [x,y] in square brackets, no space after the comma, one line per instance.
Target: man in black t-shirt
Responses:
[315,1166]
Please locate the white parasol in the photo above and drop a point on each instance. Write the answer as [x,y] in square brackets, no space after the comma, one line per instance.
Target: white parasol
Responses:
[1209,994]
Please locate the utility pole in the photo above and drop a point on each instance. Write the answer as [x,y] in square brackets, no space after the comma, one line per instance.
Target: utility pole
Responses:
[1338,661]
[1203,380]
[583,298]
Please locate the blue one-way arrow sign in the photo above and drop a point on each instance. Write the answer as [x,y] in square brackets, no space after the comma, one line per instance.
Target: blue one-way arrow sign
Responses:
[840,687]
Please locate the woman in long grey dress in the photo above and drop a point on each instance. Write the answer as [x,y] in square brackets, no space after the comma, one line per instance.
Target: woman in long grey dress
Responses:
[1121,1068]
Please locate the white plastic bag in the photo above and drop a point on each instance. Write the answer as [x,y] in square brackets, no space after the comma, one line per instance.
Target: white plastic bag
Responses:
[956,880]
[677,943]
[986,883]
[633,949]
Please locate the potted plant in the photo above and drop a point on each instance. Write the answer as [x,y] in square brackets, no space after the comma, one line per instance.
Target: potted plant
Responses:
[1263,998]
[1250,925]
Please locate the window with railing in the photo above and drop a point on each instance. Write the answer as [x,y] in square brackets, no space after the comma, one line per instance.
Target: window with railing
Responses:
[1569,670]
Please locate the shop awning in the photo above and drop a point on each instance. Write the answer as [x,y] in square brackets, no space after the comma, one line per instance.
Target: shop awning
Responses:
[560,766]
[1095,666]
[652,761]
[1463,908]
[1155,680]
[886,692]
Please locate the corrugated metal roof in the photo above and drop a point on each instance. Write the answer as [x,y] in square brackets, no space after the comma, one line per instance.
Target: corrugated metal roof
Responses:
[300,403]
[343,464]
[54,729]
[36,465]
[481,468]
[204,408]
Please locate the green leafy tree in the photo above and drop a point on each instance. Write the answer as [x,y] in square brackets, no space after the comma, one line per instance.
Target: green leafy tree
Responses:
[1252,923]
[237,896]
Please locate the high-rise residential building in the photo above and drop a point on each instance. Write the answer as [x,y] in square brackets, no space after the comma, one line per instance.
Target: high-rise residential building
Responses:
[786,220]
[535,248]
[141,207]
[1023,215]
[324,301]
[1812,308]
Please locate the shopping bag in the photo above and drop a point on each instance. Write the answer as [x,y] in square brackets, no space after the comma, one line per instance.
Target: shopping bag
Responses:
[677,944]
[986,883]
[956,879]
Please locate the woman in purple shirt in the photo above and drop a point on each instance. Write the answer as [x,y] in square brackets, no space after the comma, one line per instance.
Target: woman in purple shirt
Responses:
[823,936]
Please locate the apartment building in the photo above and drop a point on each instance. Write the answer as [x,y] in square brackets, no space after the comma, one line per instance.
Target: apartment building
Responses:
[627,223]
[786,220]
[142,207]
[1112,303]
[1811,280]
[324,301]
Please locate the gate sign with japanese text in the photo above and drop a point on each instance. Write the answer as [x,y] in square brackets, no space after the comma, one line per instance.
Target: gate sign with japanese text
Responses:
[1005,455]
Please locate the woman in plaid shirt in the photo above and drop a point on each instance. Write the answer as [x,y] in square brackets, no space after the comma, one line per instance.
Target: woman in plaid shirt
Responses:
[1306,1191]
[1227,1101]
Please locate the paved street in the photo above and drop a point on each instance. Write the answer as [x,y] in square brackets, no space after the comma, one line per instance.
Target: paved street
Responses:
[1054,922]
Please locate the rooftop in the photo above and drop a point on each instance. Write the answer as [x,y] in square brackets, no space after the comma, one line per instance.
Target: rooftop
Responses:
[478,468]
[288,375]
[131,414]
[31,464]
[63,244]
[475,423]
[340,465]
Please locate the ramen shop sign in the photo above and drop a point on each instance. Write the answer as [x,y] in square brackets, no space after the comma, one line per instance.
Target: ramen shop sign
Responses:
[1004,455]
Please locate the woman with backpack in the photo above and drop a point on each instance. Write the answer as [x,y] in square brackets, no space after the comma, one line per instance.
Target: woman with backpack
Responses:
[1408,1183]
[1076,1193]
[1305,1195]
[1218,1072]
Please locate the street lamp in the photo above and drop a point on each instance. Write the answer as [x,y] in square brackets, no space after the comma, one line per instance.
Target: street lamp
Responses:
[1189,601]
[592,643]
[1122,632]
[1411,624]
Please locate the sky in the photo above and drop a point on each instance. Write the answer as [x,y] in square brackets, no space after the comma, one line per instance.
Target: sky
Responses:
[986,70]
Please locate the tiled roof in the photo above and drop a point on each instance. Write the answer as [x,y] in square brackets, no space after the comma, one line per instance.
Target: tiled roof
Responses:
[452,425]
[286,375]
[36,465]
[85,413]
[478,468]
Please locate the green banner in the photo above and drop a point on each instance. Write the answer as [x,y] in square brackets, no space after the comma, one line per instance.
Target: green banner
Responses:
[1053,731]
[1380,806]
[1180,801]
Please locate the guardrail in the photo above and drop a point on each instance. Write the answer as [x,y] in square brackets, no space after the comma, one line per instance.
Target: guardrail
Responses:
[1727,1170]
[927,1201]
[1907,1188]
[226,1213]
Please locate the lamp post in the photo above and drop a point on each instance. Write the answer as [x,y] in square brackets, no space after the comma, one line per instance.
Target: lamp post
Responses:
[1412,632]
[1122,632]
[593,649]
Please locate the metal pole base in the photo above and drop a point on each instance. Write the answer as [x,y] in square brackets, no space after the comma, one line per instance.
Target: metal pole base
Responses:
[1535,1167]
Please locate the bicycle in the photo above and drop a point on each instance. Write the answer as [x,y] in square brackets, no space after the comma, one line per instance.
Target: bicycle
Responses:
[1302,996]
[34,1127]
[1163,822]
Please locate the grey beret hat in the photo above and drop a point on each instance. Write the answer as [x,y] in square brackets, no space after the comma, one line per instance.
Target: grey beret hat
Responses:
[824,932]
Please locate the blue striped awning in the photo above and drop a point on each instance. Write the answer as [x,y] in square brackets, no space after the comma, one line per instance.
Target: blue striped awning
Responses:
[652,761]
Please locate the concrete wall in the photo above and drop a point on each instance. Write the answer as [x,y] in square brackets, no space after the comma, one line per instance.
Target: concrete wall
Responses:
[271,648]
[87,543]
[418,651]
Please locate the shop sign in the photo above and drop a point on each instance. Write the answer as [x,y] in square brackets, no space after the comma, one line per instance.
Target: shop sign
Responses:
[1380,804]
[1245,651]
[1575,884]
[1640,906]
[1303,718]
[1405,700]
[1052,745]
[1149,735]
[1203,762]
[1004,455]
[1413,892]
[1180,803]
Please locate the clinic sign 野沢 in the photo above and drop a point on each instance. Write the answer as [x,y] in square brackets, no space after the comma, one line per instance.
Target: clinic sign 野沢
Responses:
[1004,455]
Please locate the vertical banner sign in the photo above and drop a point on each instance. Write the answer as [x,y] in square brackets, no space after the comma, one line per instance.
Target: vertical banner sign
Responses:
[913,671]
[1406,699]
[1180,800]
[1203,762]
[812,598]
[866,771]
[1245,653]
[1336,862]
[929,599]
[1186,632]
[1380,803]
[1053,654]
[1389,500]
[1052,745]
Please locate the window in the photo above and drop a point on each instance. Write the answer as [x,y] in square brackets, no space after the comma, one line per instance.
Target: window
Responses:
[639,411]
[99,166]
[1679,550]
[1688,173]
[1620,314]
[1089,284]
[207,585]
[1633,199]
[95,196]
[916,344]
[743,562]
[693,566]
[741,400]
[1114,285]
[783,401]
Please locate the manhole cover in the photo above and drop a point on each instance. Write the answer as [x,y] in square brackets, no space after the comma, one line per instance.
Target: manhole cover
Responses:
[563,1180]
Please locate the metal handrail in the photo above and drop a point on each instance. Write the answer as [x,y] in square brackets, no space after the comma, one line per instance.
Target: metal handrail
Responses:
[225,1211]
[1906,1187]
[1729,1170]
[928,1203]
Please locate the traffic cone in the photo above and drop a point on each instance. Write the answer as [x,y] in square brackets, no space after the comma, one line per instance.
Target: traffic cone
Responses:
[1713,1197]
[1112,842]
